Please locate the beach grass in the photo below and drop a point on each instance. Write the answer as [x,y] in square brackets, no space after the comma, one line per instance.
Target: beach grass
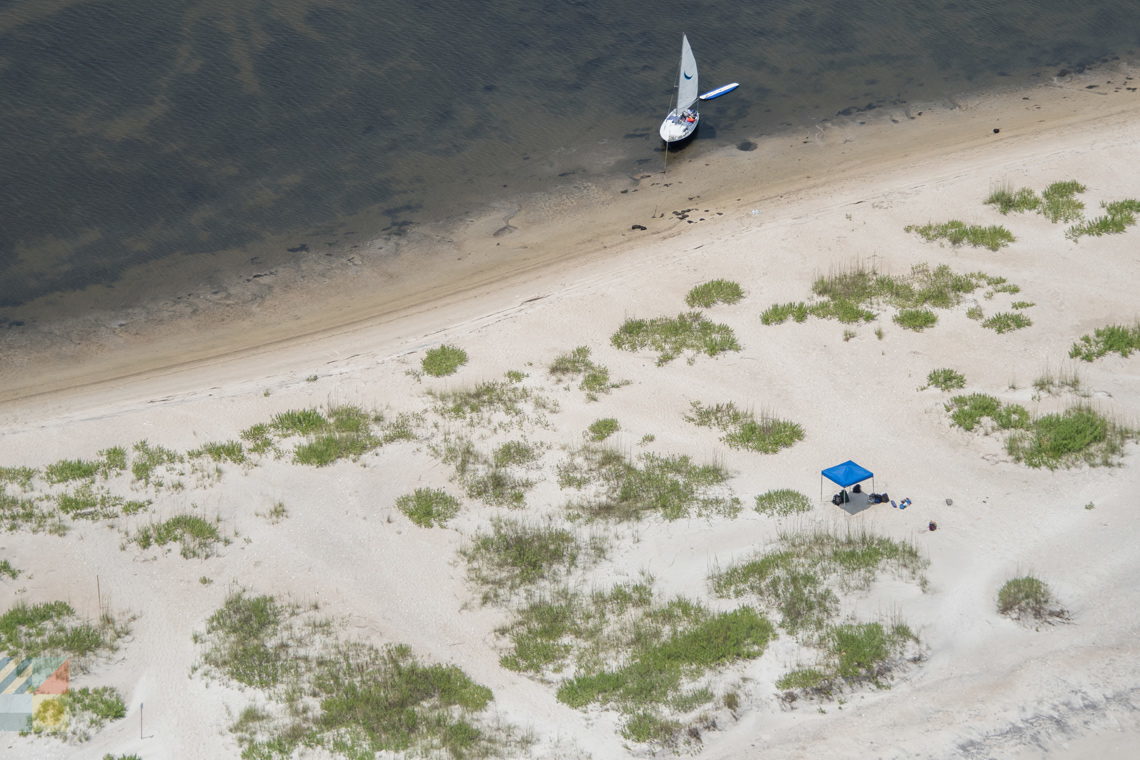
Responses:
[600,430]
[1008,200]
[1051,382]
[1120,339]
[67,470]
[595,378]
[1078,435]
[742,430]
[7,569]
[957,233]
[518,554]
[77,714]
[625,648]
[443,360]
[349,698]
[148,459]
[713,292]
[777,314]
[54,628]
[428,507]
[196,537]
[1059,201]
[1007,321]
[782,502]
[945,379]
[916,319]
[489,478]
[1029,599]
[221,451]
[1118,217]
[688,333]
[18,476]
[792,578]
[491,399]
[87,503]
[619,487]
[968,411]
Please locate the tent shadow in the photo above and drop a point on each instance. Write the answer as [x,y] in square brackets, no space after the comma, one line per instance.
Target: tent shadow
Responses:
[859,502]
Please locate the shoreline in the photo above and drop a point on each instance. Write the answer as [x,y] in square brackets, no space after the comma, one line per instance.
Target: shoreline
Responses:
[526,251]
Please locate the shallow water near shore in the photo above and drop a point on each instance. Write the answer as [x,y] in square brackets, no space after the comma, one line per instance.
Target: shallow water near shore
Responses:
[212,136]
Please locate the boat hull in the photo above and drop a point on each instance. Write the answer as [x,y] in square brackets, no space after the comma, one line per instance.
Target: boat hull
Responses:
[678,127]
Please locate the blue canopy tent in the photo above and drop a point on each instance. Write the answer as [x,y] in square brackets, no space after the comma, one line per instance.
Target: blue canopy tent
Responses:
[844,475]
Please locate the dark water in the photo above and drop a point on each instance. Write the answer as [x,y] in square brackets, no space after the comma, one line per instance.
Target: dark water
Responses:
[132,130]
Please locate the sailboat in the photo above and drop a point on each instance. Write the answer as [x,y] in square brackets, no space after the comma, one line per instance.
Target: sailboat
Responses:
[682,121]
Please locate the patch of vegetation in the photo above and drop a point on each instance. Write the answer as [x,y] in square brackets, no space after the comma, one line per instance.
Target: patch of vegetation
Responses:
[945,379]
[975,313]
[1050,382]
[259,437]
[348,698]
[782,502]
[1120,339]
[618,489]
[221,451]
[1118,216]
[916,319]
[1078,435]
[854,654]
[791,579]
[648,658]
[1022,305]
[1007,200]
[489,479]
[70,469]
[595,378]
[600,430]
[18,513]
[714,292]
[956,233]
[196,536]
[779,313]
[428,507]
[742,430]
[1028,599]
[516,554]
[53,628]
[491,399]
[149,458]
[443,360]
[1006,321]
[20,476]
[968,411]
[849,295]
[79,713]
[1059,202]
[670,338]
[331,447]
[87,503]
[298,422]
[7,569]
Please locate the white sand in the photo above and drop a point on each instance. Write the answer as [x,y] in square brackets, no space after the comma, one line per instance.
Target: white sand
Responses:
[989,688]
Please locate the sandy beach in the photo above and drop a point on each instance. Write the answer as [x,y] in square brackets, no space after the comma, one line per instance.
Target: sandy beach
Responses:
[523,287]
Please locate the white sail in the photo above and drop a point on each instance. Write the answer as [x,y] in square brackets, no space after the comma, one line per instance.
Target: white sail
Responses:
[687,83]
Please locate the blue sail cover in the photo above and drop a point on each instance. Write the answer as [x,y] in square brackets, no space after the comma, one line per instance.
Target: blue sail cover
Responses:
[847,474]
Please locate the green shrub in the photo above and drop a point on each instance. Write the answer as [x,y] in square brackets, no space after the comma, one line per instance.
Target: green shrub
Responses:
[1111,338]
[517,554]
[595,377]
[149,458]
[331,447]
[617,488]
[1059,202]
[244,640]
[863,652]
[1006,321]
[600,430]
[428,507]
[443,360]
[781,502]
[742,430]
[1006,200]
[195,535]
[779,313]
[1077,435]
[956,233]
[713,292]
[967,411]
[299,422]
[227,451]
[689,332]
[945,379]
[916,319]
[71,469]
[1028,598]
